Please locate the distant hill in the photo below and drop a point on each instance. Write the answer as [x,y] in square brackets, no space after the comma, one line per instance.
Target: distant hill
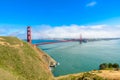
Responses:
[22,61]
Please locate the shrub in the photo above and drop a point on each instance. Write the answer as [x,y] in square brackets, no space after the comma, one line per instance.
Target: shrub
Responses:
[90,76]
[110,65]
[103,66]
[115,65]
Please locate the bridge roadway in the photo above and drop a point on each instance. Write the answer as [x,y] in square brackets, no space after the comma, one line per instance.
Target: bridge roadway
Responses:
[43,43]
[78,40]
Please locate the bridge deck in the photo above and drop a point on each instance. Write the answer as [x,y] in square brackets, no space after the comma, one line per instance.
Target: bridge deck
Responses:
[53,42]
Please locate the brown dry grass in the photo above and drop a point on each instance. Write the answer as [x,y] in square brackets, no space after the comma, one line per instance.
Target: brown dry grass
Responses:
[105,74]
[109,74]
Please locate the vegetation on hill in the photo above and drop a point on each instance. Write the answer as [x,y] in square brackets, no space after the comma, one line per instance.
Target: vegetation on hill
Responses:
[109,69]
[104,66]
[20,61]
[81,76]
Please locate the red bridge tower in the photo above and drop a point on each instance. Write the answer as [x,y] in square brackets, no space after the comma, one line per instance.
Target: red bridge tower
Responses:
[29,35]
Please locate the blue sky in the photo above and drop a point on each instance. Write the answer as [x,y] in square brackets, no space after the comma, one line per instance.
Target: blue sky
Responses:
[47,15]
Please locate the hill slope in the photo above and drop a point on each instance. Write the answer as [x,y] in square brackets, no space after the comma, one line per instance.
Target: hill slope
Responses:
[20,61]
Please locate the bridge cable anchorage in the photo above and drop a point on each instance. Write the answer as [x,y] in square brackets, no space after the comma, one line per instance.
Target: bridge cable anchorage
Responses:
[29,36]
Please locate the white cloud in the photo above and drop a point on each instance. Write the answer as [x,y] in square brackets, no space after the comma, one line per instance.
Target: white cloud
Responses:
[91,4]
[71,31]
[74,31]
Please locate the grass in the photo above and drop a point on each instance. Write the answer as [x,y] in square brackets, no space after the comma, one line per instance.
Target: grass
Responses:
[21,62]
[81,76]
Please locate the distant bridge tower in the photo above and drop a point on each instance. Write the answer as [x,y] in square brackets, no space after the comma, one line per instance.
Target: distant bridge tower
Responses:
[80,39]
[29,38]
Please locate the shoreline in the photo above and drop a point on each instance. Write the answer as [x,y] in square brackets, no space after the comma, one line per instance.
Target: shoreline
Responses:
[47,58]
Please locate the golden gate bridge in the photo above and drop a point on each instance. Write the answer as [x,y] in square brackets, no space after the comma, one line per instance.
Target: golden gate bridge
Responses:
[80,40]
[29,39]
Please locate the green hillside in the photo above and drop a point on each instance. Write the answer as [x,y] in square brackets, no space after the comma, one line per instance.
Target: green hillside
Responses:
[21,61]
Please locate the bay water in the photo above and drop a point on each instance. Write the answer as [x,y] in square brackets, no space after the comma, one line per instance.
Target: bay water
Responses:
[74,57]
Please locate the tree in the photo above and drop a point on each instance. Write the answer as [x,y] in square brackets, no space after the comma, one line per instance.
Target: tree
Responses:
[115,65]
[103,66]
[110,65]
